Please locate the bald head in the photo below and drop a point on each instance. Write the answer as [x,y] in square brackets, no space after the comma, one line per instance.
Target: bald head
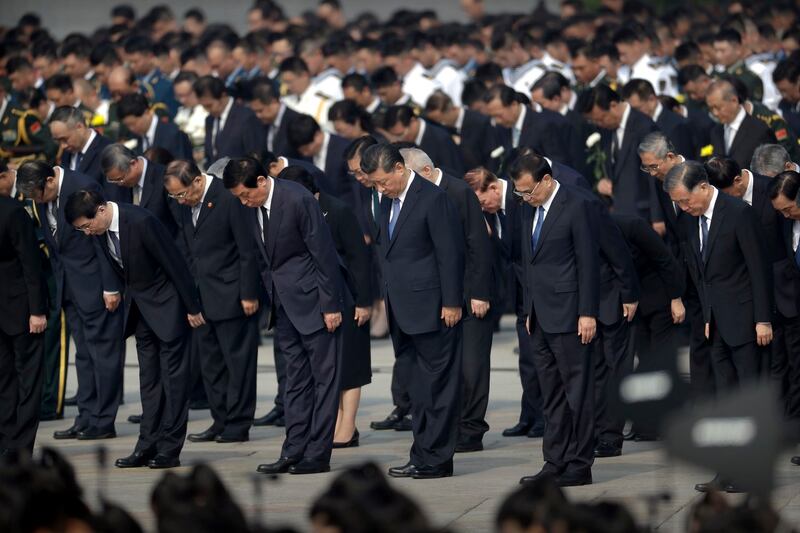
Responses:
[121,81]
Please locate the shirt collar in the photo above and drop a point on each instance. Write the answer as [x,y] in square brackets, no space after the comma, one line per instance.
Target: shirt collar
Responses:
[521,118]
[644,60]
[439,175]
[322,155]
[3,106]
[225,112]
[748,193]
[92,135]
[144,173]
[14,184]
[403,194]
[421,132]
[208,178]
[549,201]
[374,105]
[597,79]
[114,226]
[625,115]
[60,180]
[403,100]
[151,131]
[737,122]
[268,204]
[658,111]
[279,116]
[460,119]
[503,192]
[710,211]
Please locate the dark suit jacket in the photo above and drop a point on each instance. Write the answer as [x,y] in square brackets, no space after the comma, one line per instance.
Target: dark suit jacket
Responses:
[153,197]
[242,135]
[222,253]
[632,186]
[23,291]
[734,284]
[437,143]
[679,131]
[280,140]
[702,124]
[90,166]
[478,251]
[568,175]
[350,246]
[299,258]
[786,288]
[579,131]
[169,137]
[546,132]
[478,141]
[423,263]
[158,285]
[751,134]
[81,273]
[661,277]
[567,257]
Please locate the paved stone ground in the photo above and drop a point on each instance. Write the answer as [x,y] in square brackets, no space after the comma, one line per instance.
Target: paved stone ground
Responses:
[466,502]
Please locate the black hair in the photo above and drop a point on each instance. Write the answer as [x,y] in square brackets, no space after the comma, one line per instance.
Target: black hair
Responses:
[690,73]
[209,86]
[293,64]
[195,13]
[402,114]
[59,82]
[84,204]
[357,81]
[123,11]
[473,91]
[530,163]
[243,171]
[601,96]
[299,175]
[640,87]
[139,44]
[786,183]
[721,171]
[264,90]
[551,84]
[689,174]
[728,35]
[384,156]
[133,104]
[384,77]
[357,146]
[302,131]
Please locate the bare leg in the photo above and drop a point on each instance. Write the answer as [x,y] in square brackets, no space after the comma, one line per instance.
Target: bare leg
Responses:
[346,424]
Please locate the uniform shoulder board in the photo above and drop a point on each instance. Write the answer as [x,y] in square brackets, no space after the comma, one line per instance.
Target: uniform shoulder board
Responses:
[320,94]
[427,76]
[557,65]
[155,79]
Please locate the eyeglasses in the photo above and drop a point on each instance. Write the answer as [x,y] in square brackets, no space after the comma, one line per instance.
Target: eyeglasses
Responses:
[651,168]
[526,195]
[356,173]
[119,179]
[183,194]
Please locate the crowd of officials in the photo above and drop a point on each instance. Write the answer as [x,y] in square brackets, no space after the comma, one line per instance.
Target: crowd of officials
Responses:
[621,180]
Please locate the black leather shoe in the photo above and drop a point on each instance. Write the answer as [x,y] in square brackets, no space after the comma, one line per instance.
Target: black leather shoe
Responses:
[389,422]
[205,436]
[796,460]
[402,471]
[227,439]
[715,484]
[163,461]
[134,460]
[469,446]
[520,430]
[135,419]
[281,466]
[607,449]
[732,488]
[71,401]
[536,431]
[96,434]
[70,433]
[574,479]
[543,473]
[433,472]
[310,466]
[269,419]
[404,424]
[352,443]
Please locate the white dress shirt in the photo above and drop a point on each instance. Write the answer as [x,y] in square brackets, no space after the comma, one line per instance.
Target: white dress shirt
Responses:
[52,207]
[322,155]
[150,136]
[708,214]
[402,197]
[732,128]
[795,234]
[546,205]
[267,205]
[196,208]
[114,228]
[421,132]
[73,163]
[516,132]
[748,192]
[623,123]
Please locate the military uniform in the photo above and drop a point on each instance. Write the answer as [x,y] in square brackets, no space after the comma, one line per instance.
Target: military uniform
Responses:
[659,75]
[23,136]
[763,65]
[313,103]
[755,89]
[329,83]
[783,133]
[551,64]
[446,75]
[602,79]
[522,78]
[158,89]
[419,85]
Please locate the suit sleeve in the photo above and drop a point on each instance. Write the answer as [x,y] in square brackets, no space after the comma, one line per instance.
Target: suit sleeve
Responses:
[357,256]
[478,270]
[319,242]
[185,147]
[657,252]
[246,245]
[588,259]
[748,232]
[23,239]
[656,212]
[444,228]
[162,247]
[255,135]
[616,251]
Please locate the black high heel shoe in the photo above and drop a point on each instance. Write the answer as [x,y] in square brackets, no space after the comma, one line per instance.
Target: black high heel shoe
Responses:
[352,443]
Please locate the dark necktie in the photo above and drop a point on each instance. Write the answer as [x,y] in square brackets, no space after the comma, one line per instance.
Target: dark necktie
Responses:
[501,218]
[265,224]
[78,159]
[614,148]
[376,206]
[704,231]
[537,231]
[115,242]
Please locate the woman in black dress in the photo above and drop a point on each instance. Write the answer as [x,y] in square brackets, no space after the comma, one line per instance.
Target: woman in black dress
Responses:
[356,366]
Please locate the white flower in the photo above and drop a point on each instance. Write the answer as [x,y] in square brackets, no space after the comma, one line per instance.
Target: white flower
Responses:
[593,139]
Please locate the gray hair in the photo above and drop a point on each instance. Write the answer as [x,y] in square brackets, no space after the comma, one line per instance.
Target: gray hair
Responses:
[769,160]
[416,159]
[71,116]
[656,143]
[218,167]
[688,174]
[116,156]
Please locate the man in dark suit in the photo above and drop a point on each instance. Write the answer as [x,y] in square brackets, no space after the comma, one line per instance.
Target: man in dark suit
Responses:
[728,177]
[134,111]
[142,184]
[723,247]
[479,312]
[232,130]
[276,116]
[473,132]
[559,244]
[546,132]
[738,134]
[224,267]
[622,129]
[422,258]
[402,125]
[23,319]
[639,93]
[88,292]
[300,271]
[81,147]
[160,305]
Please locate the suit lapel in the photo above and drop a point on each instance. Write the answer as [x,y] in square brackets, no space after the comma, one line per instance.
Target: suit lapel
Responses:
[739,138]
[275,216]
[88,157]
[716,223]
[208,203]
[550,219]
[625,148]
[406,208]
[149,186]
[124,240]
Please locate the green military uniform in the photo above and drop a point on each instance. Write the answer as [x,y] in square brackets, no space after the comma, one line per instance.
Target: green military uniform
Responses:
[23,136]
[56,336]
[783,133]
[755,88]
